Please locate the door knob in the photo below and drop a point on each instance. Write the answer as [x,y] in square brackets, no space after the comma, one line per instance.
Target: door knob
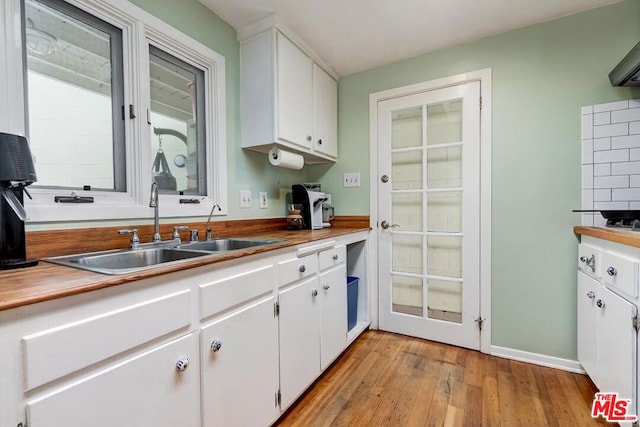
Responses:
[600,303]
[314,293]
[216,345]
[386,225]
[591,294]
[182,365]
[611,271]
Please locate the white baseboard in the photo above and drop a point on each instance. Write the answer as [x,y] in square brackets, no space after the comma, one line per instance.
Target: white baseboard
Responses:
[538,359]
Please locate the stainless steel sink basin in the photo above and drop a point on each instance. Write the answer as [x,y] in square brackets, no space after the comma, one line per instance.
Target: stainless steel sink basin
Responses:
[223,245]
[125,261]
[132,260]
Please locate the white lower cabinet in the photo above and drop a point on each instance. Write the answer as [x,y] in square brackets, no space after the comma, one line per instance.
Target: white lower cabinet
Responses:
[299,340]
[146,390]
[588,325]
[239,356]
[333,314]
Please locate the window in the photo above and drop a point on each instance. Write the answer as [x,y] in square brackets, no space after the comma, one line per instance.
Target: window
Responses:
[75,97]
[107,115]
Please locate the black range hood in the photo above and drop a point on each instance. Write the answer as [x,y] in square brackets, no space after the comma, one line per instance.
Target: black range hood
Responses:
[627,72]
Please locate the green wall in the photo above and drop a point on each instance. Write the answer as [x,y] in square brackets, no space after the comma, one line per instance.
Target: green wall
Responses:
[542,75]
[245,169]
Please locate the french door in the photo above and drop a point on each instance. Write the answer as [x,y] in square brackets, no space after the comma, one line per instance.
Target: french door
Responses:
[429,214]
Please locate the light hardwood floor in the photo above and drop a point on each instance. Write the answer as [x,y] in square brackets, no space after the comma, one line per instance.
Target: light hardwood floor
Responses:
[386,379]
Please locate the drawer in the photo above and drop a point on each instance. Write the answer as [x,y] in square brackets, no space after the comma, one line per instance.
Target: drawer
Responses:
[297,268]
[589,259]
[332,257]
[67,348]
[620,272]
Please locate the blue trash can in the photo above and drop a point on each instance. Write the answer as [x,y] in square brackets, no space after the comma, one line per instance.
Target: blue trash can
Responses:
[352,301]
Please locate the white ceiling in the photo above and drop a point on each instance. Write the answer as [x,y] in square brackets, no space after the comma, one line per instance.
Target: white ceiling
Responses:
[355,35]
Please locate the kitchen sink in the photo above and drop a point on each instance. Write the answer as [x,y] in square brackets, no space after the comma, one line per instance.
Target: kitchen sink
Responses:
[132,260]
[218,245]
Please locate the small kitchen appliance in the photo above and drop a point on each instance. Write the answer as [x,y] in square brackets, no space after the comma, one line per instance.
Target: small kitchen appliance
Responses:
[311,202]
[623,219]
[16,173]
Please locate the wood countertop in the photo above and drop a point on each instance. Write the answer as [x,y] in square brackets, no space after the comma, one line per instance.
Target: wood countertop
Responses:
[48,281]
[629,238]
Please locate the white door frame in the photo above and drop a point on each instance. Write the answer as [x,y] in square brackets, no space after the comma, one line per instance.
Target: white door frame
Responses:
[484,77]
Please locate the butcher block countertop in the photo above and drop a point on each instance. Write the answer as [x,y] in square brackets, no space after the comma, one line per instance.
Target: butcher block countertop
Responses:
[629,238]
[48,281]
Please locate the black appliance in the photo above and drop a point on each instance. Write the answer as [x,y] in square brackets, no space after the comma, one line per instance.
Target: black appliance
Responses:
[16,172]
[627,72]
[626,219]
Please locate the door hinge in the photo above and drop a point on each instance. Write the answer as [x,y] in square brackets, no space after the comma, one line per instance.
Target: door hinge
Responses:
[276,309]
[635,321]
[480,103]
[479,321]
[278,398]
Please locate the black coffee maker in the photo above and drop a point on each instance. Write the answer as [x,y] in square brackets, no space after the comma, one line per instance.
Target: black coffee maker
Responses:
[16,172]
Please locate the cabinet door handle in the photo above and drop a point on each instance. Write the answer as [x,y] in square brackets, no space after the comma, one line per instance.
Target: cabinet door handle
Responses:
[302,268]
[216,345]
[591,294]
[182,365]
[600,303]
[309,137]
[326,287]
[335,257]
[320,142]
[314,293]
[611,271]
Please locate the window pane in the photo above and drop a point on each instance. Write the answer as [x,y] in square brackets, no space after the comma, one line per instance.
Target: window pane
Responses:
[406,171]
[177,117]
[406,295]
[406,128]
[444,167]
[444,122]
[75,97]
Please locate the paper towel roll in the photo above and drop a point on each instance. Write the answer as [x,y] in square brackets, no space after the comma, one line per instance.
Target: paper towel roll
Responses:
[285,159]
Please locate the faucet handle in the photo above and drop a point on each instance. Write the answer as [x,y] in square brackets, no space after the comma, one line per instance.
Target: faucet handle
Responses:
[176,232]
[135,240]
[208,235]
[194,235]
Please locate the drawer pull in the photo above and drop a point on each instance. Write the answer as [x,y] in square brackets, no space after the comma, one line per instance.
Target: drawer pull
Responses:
[326,287]
[216,345]
[302,268]
[591,294]
[314,293]
[611,271]
[335,257]
[583,258]
[600,303]
[182,365]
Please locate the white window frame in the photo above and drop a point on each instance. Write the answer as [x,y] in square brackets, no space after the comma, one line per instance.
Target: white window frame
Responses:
[139,29]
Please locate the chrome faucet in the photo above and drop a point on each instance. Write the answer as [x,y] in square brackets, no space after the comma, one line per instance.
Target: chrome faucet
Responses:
[153,203]
[207,229]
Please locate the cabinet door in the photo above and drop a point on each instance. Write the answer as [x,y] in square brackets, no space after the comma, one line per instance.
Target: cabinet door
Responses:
[299,339]
[325,91]
[239,354]
[616,344]
[333,316]
[588,325]
[146,390]
[295,93]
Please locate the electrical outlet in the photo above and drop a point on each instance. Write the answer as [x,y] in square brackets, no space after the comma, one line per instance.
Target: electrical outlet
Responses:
[264,201]
[351,179]
[245,199]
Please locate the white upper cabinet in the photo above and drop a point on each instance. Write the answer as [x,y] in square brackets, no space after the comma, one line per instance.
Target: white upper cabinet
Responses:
[288,97]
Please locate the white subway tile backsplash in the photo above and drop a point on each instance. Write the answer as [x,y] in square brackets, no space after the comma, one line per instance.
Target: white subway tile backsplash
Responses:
[625,194]
[587,151]
[630,115]
[587,126]
[625,168]
[610,156]
[610,106]
[603,206]
[587,109]
[603,195]
[629,141]
[602,144]
[602,169]
[618,129]
[611,172]
[602,118]
[605,181]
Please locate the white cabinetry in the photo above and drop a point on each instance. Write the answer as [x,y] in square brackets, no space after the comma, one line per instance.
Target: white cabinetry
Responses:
[239,349]
[287,97]
[607,317]
[333,305]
